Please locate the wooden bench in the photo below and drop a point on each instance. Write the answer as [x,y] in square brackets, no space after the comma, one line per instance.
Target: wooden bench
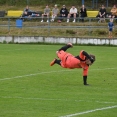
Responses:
[92,13]
[12,13]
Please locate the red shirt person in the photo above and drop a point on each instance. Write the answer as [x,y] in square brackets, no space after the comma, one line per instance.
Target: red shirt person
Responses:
[67,60]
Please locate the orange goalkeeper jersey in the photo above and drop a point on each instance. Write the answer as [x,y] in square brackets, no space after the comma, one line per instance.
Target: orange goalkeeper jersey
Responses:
[69,61]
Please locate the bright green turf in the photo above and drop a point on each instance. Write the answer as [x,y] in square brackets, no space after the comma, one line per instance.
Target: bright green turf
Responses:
[54,91]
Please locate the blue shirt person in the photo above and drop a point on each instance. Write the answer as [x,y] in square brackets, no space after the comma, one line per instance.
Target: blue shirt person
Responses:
[110,27]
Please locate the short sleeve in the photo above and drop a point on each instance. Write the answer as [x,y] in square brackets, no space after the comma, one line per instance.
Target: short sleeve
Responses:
[81,55]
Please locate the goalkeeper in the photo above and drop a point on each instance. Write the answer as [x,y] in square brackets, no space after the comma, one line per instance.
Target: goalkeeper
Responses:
[67,60]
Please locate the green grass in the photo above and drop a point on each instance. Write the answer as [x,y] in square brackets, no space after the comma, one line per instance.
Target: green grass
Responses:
[29,87]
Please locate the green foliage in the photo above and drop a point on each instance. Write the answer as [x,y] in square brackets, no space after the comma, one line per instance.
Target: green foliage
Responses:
[37,2]
[2,2]
[101,32]
[70,32]
[88,3]
[115,32]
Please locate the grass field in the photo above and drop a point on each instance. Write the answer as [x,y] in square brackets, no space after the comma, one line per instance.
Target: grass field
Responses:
[29,87]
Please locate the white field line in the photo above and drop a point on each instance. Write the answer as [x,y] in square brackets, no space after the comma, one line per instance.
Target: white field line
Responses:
[28,75]
[52,99]
[90,111]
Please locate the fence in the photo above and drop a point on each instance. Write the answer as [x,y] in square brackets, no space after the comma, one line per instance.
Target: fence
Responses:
[33,26]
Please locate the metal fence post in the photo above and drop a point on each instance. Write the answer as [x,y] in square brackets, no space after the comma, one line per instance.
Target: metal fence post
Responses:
[27,1]
[9,24]
[89,26]
[49,27]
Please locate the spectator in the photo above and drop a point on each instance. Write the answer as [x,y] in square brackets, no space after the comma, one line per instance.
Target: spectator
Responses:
[46,13]
[110,27]
[26,12]
[63,13]
[102,14]
[72,13]
[29,13]
[83,13]
[114,12]
[27,9]
[55,12]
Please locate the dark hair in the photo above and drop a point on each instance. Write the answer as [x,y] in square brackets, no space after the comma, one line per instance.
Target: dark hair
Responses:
[92,56]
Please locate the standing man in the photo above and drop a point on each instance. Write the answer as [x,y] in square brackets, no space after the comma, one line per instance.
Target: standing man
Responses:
[110,27]
[46,13]
[72,13]
[67,60]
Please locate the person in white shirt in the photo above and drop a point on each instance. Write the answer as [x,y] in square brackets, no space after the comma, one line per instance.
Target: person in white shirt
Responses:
[72,13]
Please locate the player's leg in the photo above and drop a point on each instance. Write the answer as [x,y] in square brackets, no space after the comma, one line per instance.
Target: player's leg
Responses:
[64,48]
[55,61]
[85,80]
[61,54]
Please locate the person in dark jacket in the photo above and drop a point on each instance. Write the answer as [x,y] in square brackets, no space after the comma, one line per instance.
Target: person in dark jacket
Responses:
[63,13]
[102,14]
[83,13]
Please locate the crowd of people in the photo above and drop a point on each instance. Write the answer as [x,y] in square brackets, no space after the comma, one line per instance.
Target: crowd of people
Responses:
[73,13]
[64,13]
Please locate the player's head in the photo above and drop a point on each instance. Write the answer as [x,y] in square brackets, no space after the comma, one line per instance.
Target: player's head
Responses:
[90,61]
[93,57]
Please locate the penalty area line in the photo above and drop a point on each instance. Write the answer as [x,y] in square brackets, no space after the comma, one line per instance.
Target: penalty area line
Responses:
[90,111]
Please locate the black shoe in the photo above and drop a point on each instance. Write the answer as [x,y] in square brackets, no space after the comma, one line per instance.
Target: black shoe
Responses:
[86,84]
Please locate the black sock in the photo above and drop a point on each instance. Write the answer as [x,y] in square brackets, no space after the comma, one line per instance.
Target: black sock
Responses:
[85,80]
[58,62]
[64,48]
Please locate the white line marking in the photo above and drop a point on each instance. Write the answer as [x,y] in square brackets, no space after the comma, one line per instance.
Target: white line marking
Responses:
[52,99]
[90,111]
[103,69]
[33,74]
[15,77]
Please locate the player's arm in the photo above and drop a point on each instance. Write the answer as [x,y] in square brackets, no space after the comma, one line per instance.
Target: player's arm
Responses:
[88,56]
